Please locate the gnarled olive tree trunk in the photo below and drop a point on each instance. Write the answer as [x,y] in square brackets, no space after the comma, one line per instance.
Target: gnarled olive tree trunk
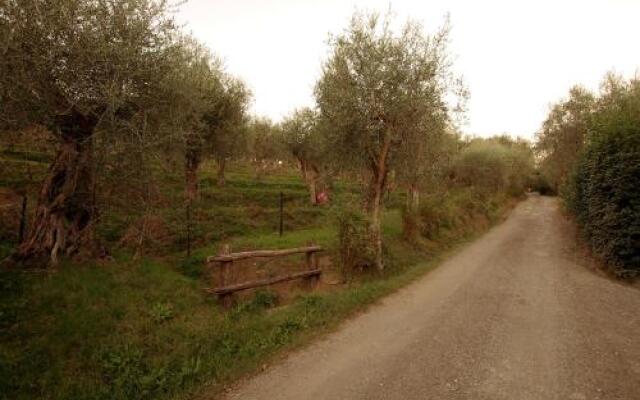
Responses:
[65,212]
[374,203]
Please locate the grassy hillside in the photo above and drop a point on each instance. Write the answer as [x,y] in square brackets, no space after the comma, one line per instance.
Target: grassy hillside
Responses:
[144,328]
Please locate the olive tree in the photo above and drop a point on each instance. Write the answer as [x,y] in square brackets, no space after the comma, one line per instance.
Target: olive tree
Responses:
[265,149]
[424,168]
[375,91]
[226,124]
[521,164]
[195,88]
[82,69]
[499,165]
[563,134]
[208,109]
[304,140]
[424,160]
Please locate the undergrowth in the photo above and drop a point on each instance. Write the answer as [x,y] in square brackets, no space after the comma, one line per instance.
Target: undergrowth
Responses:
[144,329]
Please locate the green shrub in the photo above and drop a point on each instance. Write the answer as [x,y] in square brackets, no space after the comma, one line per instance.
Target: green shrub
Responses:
[161,312]
[603,190]
[494,165]
[128,376]
[482,164]
[411,225]
[433,216]
[355,246]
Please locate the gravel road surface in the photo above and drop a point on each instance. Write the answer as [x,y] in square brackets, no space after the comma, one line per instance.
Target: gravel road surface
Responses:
[514,315]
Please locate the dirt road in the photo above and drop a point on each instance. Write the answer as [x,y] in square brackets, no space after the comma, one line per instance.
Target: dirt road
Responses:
[512,316]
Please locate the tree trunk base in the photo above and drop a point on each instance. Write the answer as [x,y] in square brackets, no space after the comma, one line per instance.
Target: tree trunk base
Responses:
[221,181]
[65,212]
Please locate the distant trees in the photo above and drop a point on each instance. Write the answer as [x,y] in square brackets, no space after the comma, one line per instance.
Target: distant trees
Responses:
[303,138]
[193,89]
[376,91]
[520,164]
[264,145]
[227,124]
[209,107]
[495,165]
[563,134]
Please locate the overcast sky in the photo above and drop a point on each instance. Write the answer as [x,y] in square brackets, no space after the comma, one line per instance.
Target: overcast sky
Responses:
[516,57]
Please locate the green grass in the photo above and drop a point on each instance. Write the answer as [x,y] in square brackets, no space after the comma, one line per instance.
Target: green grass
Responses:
[85,330]
[247,208]
[144,329]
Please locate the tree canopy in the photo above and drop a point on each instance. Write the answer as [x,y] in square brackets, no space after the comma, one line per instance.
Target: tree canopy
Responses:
[115,70]
[101,60]
[563,134]
[376,91]
[302,136]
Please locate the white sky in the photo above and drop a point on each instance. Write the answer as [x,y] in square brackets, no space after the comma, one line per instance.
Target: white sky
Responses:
[516,57]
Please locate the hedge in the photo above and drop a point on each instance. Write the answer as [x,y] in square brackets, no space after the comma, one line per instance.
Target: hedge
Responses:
[604,191]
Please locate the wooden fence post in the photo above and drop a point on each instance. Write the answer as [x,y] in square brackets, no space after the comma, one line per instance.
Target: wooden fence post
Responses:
[189,228]
[312,263]
[225,274]
[23,219]
[281,226]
